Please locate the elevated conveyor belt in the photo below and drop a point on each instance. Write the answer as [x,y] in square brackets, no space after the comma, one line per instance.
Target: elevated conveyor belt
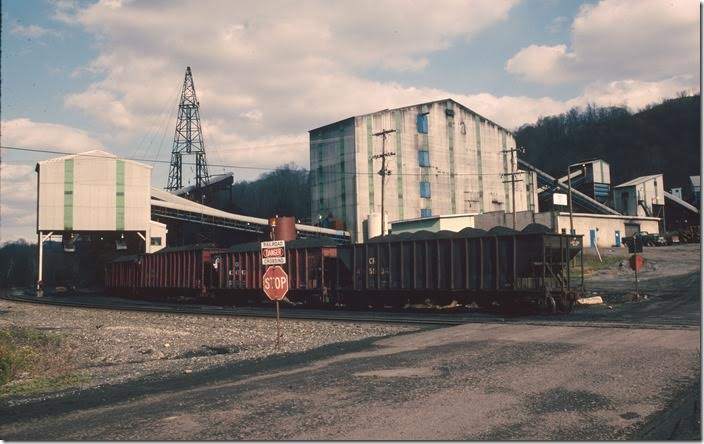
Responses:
[551,185]
[681,202]
[170,206]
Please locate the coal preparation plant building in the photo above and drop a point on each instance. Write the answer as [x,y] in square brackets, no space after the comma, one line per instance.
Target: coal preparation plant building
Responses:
[447,160]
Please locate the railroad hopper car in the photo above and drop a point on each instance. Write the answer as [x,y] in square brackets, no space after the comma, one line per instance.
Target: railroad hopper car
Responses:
[499,267]
[314,269]
[173,271]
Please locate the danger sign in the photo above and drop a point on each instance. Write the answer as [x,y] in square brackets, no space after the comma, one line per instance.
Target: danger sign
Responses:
[275,283]
[273,252]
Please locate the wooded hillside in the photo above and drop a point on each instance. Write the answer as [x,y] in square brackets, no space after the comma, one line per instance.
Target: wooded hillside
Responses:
[662,138]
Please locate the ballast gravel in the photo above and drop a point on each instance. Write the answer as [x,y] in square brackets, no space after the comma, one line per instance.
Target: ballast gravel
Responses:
[112,346]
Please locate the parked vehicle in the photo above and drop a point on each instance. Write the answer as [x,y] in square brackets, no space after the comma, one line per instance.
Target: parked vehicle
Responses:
[646,239]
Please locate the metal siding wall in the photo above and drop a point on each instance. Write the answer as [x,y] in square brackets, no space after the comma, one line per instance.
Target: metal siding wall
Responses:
[451,155]
[370,161]
[68,194]
[119,195]
[478,138]
[398,120]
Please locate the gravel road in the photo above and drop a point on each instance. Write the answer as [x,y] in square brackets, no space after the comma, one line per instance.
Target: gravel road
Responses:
[474,381]
[111,346]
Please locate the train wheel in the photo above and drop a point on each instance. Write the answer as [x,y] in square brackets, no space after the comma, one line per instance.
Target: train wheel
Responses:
[566,304]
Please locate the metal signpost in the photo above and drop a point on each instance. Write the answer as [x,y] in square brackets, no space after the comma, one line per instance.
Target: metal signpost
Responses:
[636,262]
[275,279]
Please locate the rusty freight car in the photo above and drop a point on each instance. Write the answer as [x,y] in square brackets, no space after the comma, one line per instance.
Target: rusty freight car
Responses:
[171,272]
[313,268]
[499,268]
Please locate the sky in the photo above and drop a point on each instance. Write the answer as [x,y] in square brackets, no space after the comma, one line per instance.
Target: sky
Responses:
[80,75]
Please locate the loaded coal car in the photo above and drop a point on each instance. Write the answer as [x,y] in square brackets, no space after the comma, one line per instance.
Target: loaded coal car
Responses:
[314,266]
[169,273]
[500,267]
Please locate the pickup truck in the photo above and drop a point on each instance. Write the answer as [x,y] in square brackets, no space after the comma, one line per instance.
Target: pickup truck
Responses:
[647,239]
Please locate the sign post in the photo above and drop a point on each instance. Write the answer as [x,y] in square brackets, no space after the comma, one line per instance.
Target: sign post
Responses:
[275,279]
[636,262]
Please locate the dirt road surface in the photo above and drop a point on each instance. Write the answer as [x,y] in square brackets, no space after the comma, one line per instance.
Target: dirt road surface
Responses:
[465,382]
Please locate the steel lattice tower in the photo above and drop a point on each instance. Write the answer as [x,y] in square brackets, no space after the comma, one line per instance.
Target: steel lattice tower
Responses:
[188,138]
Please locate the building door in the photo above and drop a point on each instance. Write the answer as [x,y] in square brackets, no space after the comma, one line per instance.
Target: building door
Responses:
[592,238]
[632,229]
[617,240]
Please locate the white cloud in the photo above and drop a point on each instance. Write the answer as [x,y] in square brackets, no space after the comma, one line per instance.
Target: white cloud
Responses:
[267,59]
[32,31]
[24,132]
[547,63]
[18,189]
[267,73]
[18,182]
[619,39]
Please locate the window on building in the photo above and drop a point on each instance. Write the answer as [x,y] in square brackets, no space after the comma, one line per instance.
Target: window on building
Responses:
[424,158]
[155,241]
[425,189]
[425,212]
[422,123]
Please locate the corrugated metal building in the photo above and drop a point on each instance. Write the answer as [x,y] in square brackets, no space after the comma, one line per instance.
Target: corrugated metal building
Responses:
[448,160]
[93,191]
[643,196]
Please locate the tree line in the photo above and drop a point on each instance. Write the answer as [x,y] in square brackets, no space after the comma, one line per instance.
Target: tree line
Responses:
[661,138]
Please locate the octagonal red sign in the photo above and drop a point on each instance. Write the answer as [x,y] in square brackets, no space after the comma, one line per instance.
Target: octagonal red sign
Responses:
[275,283]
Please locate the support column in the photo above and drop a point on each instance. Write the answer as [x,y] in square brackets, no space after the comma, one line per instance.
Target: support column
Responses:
[40,261]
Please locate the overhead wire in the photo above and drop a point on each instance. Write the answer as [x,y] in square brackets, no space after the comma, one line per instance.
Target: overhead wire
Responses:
[232,166]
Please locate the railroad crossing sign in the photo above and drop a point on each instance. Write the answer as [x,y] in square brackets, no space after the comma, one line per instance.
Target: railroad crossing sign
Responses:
[273,252]
[275,283]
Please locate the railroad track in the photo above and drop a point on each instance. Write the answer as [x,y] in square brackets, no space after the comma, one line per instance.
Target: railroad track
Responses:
[394,317]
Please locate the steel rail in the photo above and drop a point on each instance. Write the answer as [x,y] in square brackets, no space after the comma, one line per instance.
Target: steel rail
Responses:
[384,317]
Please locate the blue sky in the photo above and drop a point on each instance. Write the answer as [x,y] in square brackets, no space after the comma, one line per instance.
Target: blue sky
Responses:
[81,75]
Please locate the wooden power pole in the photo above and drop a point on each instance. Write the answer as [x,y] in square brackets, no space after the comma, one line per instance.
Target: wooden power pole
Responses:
[513,181]
[383,172]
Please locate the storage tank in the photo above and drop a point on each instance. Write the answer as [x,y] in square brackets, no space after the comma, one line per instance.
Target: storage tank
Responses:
[373,225]
[283,228]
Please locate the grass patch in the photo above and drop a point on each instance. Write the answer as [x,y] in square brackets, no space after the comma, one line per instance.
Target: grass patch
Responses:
[33,361]
[592,263]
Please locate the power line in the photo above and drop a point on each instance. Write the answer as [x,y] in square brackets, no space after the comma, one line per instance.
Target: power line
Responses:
[231,166]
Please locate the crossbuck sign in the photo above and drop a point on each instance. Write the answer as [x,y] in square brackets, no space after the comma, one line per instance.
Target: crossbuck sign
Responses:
[273,252]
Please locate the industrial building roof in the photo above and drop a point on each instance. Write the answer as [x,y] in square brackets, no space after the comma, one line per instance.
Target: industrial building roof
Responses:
[88,154]
[413,106]
[212,180]
[638,180]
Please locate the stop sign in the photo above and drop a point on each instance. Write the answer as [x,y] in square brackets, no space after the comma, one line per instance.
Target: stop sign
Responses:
[636,262]
[275,283]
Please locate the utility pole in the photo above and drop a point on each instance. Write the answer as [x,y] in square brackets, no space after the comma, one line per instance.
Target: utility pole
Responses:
[569,198]
[569,191]
[383,172]
[513,181]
